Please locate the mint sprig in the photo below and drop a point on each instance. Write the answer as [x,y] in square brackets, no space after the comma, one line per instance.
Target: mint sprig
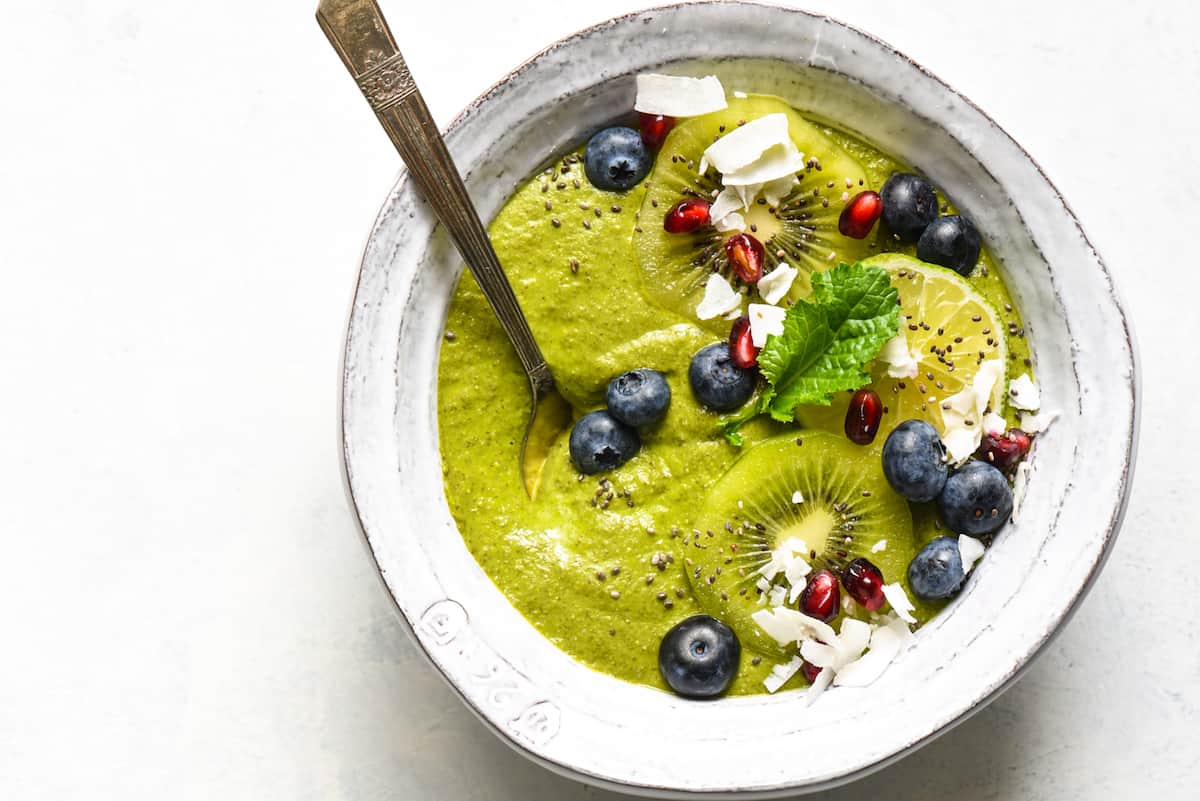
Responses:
[826,343]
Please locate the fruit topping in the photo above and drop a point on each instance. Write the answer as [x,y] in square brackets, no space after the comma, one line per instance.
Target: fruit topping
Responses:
[951,242]
[971,549]
[742,352]
[774,285]
[976,500]
[800,230]
[654,128]
[860,214]
[914,461]
[719,298]
[601,442]
[810,671]
[863,416]
[759,152]
[678,96]
[717,381]
[779,514]
[1005,450]
[864,583]
[616,159]
[639,397]
[698,657]
[909,205]
[822,597]
[946,324]
[823,345]
[765,321]
[936,572]
[1024,394]
[687,216]
[746,255]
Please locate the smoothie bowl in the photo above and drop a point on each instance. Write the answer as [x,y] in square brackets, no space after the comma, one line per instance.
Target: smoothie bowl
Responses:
[855,407]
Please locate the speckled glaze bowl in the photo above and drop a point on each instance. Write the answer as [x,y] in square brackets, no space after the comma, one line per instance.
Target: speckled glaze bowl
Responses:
[607,732]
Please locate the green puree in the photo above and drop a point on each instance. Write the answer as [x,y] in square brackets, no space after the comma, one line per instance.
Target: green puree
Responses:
[577,562]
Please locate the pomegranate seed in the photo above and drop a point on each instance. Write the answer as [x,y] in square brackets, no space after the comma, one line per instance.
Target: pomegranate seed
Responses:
[1006,450]
[864,582]
[745,257]
[741,346]
[655,128]
[821,597]
[860,214]
[862,417]
[810,671]
[686,216]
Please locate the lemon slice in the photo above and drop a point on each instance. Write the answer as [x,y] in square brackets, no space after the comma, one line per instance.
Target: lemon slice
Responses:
[949,329]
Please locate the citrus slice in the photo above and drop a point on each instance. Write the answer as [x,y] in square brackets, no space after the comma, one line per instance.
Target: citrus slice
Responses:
[950,330]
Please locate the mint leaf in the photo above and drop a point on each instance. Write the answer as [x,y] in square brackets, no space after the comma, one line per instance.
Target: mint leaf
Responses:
[827,340]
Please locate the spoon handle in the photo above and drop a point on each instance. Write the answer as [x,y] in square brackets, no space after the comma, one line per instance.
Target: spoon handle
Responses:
[360,35]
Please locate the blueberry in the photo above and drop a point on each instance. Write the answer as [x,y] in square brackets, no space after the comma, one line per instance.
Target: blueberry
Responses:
[914,461]
[616,159]
[601,442]
[639,397]
[937,570]
[951,242]
[909,204]
[698,658]
[717,382]
[976,500]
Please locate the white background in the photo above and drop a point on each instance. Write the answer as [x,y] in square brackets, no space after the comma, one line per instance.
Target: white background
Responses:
[187,611]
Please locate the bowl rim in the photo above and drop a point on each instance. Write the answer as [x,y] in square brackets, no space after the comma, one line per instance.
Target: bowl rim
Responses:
[1112,529]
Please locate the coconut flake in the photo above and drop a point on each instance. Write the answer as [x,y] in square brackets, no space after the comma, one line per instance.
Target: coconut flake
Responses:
[777,595]
[1036,423]
[787,626]
[679,96]
[898,598]
[838,650]
[899,359]
[879,546]
[862,672]
[1020,486]
[756,157]
[783,557]
[960,444]
[822,681]
[727,202]
[970,549]
[775,191]
[797,498]
[776,165]
[994,424]
[740,95]
[780,674]
[730,222]
[775,285]
[962,412]
[719,298]
[765,321]
[1023,394]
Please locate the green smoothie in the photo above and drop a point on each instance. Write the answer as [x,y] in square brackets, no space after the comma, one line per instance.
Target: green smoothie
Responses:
[597,563]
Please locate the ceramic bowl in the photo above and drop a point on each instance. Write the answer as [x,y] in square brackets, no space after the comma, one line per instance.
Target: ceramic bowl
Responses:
[607,732]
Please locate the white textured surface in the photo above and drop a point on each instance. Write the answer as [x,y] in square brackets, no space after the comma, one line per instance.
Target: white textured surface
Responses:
[188,610]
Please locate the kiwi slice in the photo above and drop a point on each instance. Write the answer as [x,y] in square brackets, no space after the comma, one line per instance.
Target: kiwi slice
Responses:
[802,231]
[847,510]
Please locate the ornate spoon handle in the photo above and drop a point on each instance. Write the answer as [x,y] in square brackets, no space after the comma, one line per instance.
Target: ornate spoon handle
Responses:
[359,33]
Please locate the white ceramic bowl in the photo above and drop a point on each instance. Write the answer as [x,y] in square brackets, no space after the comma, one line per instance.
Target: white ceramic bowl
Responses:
[604,731]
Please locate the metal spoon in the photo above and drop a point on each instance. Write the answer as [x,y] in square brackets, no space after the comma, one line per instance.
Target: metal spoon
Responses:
[359,33]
